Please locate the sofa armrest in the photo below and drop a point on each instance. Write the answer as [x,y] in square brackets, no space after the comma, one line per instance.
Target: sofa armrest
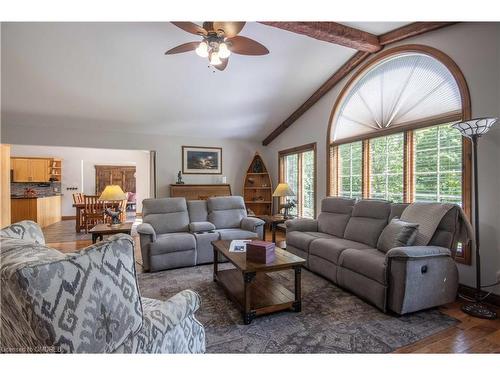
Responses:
[251,223]
[169,327]
[420,277]
[147,229]
[302,225]
[201,226]
[176,309]
[409,252]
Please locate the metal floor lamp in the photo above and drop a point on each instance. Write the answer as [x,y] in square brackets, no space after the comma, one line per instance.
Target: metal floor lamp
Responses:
[473,129]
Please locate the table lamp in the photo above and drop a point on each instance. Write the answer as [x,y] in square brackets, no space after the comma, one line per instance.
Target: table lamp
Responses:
[473,129]
[113,193]
[283,190]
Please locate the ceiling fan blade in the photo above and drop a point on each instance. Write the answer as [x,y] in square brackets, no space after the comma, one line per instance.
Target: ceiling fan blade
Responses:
[190,27]
[230,28]
[246,46]
[186,47]
[222,66]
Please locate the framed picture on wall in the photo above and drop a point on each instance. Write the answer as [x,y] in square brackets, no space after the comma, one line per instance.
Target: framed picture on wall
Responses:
[201,160]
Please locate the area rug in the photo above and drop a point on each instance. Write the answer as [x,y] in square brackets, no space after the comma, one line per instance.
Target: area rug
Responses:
[332,320]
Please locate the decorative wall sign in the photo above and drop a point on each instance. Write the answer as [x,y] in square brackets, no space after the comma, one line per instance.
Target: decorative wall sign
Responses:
[201,160]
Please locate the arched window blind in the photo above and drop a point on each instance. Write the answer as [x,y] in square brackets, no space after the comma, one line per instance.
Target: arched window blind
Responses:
[397,91]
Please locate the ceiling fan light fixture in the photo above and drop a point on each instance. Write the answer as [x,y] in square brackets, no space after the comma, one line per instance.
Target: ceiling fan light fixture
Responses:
[224,52]
[202,49]
[214,59]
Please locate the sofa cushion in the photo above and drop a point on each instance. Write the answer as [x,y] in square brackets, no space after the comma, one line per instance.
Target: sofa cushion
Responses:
[226,212]
[335,213]
[331,248]
[368,219]
[368,262]
[172,242]
[166,215]
[396,210]
[236,234]
[197,210]
[397,233]
[302,240]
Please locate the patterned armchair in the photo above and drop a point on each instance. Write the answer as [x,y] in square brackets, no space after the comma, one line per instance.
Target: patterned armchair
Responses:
[86,302]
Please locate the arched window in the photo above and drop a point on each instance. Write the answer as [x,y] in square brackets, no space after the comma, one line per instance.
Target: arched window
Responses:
[390,134]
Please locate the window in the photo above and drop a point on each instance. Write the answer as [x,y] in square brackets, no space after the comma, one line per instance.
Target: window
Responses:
[350,170]
[438,164]
[297,167]
[386,167]
[395,115]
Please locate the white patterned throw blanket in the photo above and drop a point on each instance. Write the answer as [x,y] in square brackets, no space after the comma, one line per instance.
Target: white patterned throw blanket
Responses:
[429,215]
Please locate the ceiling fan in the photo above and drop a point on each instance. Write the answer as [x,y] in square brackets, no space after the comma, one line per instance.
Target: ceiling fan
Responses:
[219,40]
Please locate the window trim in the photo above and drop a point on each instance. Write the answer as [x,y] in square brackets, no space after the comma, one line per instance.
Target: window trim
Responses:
[464,114]
[297,150]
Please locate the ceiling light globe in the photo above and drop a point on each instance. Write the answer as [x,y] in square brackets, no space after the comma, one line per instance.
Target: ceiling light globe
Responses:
[214,59]
[202,49]
[224,52]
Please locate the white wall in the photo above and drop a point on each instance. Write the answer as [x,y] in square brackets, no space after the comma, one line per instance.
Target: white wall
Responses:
[475,47]
[78,168]
[236,155]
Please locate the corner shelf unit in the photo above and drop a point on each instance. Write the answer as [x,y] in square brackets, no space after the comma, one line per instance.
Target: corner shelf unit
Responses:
[257,188]
[55,169]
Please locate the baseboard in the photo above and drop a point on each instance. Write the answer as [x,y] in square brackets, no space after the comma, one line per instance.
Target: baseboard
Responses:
[68,217]
[468,291]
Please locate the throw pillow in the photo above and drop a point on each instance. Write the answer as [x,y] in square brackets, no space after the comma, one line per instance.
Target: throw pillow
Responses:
[397,233]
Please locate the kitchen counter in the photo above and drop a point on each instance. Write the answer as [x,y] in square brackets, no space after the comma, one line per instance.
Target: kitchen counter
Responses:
[35,197]
[44,210]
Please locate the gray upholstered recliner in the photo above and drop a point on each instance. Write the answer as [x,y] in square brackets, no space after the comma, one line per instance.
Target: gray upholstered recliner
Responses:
[176,233]
[164,235]
[342,245]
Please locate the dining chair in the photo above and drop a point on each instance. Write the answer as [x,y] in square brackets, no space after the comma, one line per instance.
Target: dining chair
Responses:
[78,198]
[123,208]
[93,213]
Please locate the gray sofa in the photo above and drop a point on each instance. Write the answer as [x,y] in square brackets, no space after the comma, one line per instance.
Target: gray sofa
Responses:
[342,245]
[86,302]
[178,233]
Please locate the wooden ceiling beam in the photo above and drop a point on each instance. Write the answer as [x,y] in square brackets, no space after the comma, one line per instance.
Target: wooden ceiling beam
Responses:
[390,37]
[332,32]
[413,29]
[343,71]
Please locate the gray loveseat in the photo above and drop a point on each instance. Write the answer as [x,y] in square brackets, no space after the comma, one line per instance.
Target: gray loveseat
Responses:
[341,245]
[86,302]
[178,233]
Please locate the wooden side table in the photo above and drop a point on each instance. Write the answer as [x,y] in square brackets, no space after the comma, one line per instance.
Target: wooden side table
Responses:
[274,220]
[105,229]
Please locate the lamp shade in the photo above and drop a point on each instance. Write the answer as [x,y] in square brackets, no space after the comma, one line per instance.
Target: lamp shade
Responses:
[112,193]
[283,190]
[477,126]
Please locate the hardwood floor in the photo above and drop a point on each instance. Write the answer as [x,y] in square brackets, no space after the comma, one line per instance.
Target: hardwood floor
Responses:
[471,335]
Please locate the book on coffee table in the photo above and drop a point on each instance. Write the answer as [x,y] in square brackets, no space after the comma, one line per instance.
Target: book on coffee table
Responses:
[238,246]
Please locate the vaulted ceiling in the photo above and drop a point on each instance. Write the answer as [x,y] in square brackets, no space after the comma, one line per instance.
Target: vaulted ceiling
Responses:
[115,76]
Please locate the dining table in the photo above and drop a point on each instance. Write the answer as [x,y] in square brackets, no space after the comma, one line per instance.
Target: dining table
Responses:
[80,224]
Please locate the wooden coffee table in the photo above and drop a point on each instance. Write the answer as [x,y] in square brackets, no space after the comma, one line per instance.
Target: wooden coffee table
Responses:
[104,229]
[248,285]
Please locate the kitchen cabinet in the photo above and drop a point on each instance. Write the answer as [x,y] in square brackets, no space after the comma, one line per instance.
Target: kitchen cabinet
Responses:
[30,169]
